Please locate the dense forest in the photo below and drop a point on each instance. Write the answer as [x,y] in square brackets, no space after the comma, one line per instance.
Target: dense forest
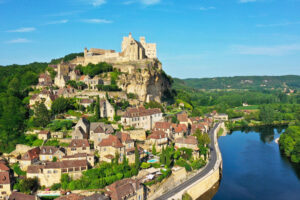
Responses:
[240,82]
[15,83]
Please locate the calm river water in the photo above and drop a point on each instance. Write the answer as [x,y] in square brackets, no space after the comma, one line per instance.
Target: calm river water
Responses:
[253,168]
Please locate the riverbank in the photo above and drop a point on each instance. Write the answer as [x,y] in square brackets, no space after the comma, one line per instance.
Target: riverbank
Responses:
[232,126]
[204,180]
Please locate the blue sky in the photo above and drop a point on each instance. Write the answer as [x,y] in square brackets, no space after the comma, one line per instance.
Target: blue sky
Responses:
[195,38]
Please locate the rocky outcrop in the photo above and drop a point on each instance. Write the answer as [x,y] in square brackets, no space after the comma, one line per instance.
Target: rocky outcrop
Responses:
[144,78]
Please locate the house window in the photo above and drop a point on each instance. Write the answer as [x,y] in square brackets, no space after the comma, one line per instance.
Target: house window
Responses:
[3,192]
[1,186]
[70,169]
[73,149]
[83,148]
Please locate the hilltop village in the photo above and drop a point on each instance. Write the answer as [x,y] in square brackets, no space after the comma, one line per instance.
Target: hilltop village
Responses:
[100,131]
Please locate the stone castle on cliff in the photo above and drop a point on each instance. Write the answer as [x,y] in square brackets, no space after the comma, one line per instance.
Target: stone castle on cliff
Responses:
[131,50]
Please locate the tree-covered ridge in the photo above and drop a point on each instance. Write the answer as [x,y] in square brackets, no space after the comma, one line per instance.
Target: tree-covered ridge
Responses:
[240,82]
[66,58]
[15,83]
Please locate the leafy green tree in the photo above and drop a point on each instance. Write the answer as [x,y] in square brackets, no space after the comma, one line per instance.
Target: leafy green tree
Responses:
[42,116]
[267,114]
[97,109]
[154,149]
[60,105]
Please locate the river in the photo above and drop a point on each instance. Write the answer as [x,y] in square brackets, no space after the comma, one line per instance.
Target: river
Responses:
[253,168]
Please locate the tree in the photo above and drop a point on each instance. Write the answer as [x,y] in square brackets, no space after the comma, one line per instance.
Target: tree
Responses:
[27,185]
[42,116]
[97,109]
[65,180]
[137,158]
[60,105]
[162,157]
[267,114]
[154,149]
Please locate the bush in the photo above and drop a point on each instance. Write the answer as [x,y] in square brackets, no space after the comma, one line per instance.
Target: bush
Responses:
[18,170]
[145,165]
[55,186]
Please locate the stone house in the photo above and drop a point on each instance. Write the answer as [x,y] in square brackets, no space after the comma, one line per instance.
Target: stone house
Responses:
[48,153]
[5,181]
[109,147]
[130,189]
[86,102]
[106,109]
[78,146]
[183,119]
[30,157]
[200,127]
[74,75]
[90,158]
[99,131]
[179,130]
[66,92]
[159,139]
[57,134]
[50,173]
[44,80]
[141,117]
[189,142]
[71,196]
[163,126]
[129,146]
[82,129]
[46,97]
[44,135]
[22,196]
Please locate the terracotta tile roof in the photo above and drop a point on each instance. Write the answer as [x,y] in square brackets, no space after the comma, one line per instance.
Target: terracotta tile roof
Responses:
[57,165]
[197,126]
[21,196]
[48,150]
[182,117]
[86,101]
[96,197]
[71,197]
[4,178]
[163,125]
[78,155]
[124,137]
[157,135]
[187,140]
[31,154]
[112,140]
[123,188]
[79,143]
[141,111]
[44,132]
[178,128]
[109,156]
[3,167]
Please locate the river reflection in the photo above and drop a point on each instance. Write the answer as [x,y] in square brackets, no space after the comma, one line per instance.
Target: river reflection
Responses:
[253,167]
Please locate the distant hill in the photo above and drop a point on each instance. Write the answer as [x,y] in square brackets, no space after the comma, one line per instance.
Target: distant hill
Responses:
[240,82]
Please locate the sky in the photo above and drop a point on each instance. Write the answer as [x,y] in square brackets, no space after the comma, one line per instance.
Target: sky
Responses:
[195,38]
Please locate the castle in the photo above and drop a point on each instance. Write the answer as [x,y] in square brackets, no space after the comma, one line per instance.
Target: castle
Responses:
[131,50]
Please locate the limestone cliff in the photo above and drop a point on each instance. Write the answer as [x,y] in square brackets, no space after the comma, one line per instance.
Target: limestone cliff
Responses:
[144,78]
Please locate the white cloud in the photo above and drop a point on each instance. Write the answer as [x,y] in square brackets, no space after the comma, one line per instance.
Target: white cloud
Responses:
[23,30]
[277,50]
[18,40]
[247,1]
[63,21]
[98,2]
[97,21]
[150,2]
[278,24]
[206,8]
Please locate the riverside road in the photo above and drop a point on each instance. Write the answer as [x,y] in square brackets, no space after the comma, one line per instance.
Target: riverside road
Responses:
[206,170]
